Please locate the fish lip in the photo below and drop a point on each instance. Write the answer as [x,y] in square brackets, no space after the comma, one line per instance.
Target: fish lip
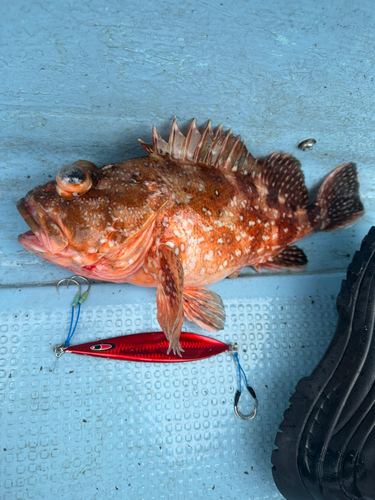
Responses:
[28,218]
[38,239]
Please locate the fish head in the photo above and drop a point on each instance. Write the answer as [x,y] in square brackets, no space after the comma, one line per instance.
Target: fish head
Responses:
[89,213]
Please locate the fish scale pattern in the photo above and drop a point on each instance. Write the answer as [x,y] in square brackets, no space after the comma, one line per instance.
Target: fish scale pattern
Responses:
[80,427]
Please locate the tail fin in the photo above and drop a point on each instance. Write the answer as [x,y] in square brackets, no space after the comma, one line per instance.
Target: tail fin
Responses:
[337,204]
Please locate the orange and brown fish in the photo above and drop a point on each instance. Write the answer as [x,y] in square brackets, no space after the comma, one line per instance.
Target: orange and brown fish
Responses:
[196,210]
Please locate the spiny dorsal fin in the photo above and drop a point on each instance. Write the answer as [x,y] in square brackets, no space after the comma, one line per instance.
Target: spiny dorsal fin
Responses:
[281,174]
[218,149]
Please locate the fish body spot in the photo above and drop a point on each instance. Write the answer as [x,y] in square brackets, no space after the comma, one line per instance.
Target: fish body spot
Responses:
[209,255]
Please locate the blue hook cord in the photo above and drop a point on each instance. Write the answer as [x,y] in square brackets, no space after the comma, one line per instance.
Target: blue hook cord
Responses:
[237,396]
[78,300]
[240,371]
[71,332]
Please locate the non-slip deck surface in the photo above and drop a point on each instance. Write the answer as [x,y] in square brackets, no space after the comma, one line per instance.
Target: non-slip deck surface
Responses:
[82,427]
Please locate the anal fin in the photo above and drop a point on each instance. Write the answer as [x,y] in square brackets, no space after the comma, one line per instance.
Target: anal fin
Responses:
[292,258]
[205,308]
[170,283]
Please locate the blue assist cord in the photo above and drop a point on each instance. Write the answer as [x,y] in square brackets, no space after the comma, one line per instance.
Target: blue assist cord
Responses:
[237,396]
[78,300]
[71,332]
[240,371]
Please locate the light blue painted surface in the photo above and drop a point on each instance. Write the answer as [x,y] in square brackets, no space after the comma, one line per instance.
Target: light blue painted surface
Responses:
[85,81]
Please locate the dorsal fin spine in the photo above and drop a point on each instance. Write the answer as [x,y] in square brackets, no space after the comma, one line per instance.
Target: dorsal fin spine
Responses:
[219,160]
[146,147]
[216,144]
[219,150]
[158,143]
[171,137]
[188,139]
[199,149]
[233,154]
[176,140]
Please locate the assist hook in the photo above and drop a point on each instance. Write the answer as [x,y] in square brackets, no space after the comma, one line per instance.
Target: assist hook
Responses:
[78,300]
[241,373]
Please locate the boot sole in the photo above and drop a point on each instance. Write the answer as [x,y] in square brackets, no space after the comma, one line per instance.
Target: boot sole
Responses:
[321,420]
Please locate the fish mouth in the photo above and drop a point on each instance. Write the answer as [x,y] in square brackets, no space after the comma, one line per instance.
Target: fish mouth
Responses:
[45,236]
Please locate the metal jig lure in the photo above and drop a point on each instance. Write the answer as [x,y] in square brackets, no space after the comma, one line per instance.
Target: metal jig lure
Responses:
[152,347]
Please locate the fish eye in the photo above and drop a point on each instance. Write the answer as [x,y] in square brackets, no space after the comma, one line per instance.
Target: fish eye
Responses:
[73,180]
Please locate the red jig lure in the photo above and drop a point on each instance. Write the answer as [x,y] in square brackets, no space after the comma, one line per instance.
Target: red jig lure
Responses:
[150,347]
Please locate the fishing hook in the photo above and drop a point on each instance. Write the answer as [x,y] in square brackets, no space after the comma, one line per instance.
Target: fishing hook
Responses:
[68,280]
[82,278]
[238,413]
[77,302]
[252,414]
[83,297]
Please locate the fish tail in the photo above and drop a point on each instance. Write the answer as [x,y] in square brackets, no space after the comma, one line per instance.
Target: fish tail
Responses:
[337,204]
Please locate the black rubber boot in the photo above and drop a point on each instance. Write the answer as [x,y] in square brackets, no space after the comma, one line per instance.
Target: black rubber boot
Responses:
[326,447]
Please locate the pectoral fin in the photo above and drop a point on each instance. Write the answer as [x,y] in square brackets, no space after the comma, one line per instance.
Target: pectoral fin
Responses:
[170,284]
[205,308]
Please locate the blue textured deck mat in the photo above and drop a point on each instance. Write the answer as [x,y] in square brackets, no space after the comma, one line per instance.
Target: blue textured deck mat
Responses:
[81,427]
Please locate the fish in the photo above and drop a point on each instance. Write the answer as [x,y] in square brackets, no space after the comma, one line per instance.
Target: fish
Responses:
[196,210]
